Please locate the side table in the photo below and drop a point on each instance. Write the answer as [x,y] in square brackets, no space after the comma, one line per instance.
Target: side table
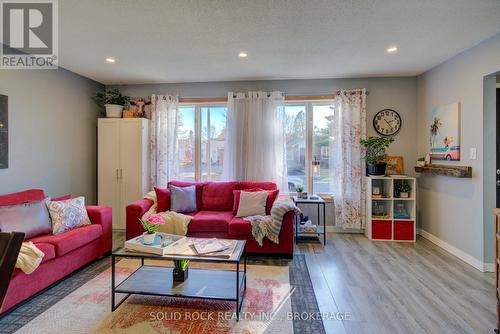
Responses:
[320,204]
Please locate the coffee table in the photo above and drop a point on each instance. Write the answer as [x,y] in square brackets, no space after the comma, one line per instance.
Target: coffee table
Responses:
[152,280]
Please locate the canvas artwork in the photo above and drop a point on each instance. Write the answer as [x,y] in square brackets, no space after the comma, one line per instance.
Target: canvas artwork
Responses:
[4,133]
[395,166]
[444,133]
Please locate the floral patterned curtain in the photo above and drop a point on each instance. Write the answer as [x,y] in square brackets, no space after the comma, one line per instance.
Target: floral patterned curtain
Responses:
[163,139]
[350,127]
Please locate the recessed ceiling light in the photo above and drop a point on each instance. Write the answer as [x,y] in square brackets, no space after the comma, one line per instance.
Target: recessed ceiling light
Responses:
[110,60]
[392,49]
[242,54]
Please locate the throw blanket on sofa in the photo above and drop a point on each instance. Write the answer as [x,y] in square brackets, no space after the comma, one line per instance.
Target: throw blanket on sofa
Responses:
[175,223]
[270,226]
[29,257]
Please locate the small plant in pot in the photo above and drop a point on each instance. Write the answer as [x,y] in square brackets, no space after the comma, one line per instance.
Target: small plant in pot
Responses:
[404,190]
[181,270]
[300,191]
[375,154]
[151,225]
[114,102]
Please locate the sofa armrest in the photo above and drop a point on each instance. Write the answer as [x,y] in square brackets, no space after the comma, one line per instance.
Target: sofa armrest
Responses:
[286,233]
[103,215]
[134,212]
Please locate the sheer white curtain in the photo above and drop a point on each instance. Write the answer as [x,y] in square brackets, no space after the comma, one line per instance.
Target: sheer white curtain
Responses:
[163,139]
[349,127]
[255,140]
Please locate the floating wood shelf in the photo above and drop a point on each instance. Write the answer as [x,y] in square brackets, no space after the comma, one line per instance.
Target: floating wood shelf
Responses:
[446,170]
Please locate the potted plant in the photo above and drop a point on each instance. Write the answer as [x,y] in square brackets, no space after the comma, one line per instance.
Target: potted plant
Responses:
[375,154]
[404,190]
[180,270]
[113,101]
[299,188]
[150,225]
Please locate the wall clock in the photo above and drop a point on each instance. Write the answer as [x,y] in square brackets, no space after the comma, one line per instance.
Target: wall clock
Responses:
[387,122]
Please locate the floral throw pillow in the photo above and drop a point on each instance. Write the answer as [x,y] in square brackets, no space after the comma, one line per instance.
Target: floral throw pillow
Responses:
[67,215]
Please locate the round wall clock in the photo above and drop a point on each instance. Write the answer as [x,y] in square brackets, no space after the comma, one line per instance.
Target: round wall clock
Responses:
[387,122]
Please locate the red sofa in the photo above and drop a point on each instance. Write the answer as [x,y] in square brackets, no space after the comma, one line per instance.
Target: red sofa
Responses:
[64,253]
[215,218]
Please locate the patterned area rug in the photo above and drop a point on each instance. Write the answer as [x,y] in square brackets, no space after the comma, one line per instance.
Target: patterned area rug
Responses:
[277,290]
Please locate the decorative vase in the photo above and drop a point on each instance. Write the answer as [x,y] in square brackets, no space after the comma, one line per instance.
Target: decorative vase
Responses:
[377,169]
[148,238]
[113,110]
[180,275]
[403,195]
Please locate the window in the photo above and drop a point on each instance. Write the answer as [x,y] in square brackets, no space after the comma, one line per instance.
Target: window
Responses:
[309,138]
[202,130]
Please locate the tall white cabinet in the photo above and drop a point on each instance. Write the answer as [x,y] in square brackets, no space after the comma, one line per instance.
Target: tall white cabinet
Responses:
[123,165]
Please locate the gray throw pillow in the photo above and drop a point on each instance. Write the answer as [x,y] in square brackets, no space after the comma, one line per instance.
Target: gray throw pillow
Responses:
[32,218]
[183,199]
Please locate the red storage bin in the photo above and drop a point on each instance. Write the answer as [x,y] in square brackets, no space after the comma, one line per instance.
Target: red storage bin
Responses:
[382,229]
[404,230]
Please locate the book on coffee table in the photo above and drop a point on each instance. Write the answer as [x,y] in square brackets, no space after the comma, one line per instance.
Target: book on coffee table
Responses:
[186,247]
[159,247]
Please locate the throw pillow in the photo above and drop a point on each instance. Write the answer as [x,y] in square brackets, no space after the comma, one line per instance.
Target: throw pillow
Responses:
[252,203]
[183,199]
[68,214]
[271,198]
[162,199]
[31,218]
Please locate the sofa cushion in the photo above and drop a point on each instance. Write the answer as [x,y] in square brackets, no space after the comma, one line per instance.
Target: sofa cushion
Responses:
[162,199]
[209,221]
[199,189]
[252,203]
[31,218]
[240,226]
[272,195]
[71,240]
[48,249]
[183,199]
[260,185]
[68,214]
[25,196]
[218,196]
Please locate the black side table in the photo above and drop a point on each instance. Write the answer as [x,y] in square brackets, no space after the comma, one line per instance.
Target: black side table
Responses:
[321,230]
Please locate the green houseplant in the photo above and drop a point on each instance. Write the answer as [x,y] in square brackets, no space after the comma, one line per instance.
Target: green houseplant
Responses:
[299,188]
[375,154]
[404,190]
[113,100]
[180,272]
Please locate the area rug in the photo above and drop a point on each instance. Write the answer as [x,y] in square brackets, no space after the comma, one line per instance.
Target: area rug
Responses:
[275,291]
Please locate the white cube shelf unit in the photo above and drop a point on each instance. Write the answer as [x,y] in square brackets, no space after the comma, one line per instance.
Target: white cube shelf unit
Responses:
[390,217]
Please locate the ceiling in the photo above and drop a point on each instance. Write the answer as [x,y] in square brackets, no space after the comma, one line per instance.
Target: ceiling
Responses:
[157,41]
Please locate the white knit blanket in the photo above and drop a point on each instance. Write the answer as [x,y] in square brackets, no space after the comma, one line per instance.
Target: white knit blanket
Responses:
[270,225]
[174,223]
[29,257]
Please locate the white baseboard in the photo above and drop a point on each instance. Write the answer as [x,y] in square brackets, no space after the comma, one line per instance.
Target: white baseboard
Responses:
[479,265]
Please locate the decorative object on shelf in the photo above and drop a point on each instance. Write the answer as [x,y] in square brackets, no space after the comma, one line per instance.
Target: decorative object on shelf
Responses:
[444,131]
[404,190]
[114,102]
[400,211]
[300,191]
[395,165]
[181,270]
[4,132]
[387,122]
[421,162]
[427,159]
[140,106]
[375,154]
[151,225]
[376,190]
[446,170]
[128,114]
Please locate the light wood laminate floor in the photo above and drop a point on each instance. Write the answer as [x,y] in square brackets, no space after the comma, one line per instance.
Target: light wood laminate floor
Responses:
[389,287]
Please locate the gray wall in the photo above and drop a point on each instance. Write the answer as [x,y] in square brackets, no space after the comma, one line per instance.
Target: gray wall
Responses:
[52,132]
[450,208]
[394,93]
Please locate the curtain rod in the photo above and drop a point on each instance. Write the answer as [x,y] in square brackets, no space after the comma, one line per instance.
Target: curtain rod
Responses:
[287,98]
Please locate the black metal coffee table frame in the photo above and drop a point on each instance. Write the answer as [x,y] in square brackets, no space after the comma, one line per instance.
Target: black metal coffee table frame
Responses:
[151,280]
